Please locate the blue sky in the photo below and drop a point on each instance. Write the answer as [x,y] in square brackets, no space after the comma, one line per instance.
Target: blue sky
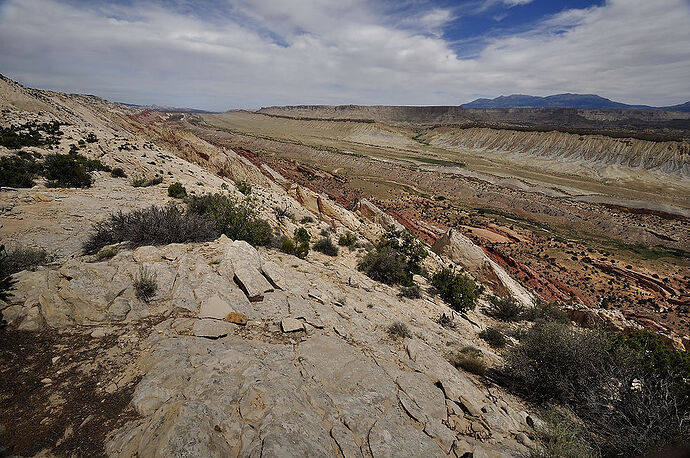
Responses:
[218,54]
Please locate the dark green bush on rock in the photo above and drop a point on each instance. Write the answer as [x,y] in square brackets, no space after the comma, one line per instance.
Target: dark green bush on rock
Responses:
[397,257]
[177,191]
[632,392]
[117,172]
[237,220]
[493,337]
[326,246]
[505,308]
[18,172]
[458,290]
[70,170]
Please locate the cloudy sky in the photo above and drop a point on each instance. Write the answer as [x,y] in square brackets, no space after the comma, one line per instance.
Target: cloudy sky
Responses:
[220,54]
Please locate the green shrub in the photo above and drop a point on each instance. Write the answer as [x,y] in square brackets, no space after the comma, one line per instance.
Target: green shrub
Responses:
[399,330]
[505,308]
[15,260]
[18,172]
[411,292]
[348,239]
[459,291]
[30,134]
[624,389]
[151,226]
[177,191]
[288,246]
[91,138]
[469,359]
[244,187]
[326,246]
[237,220]
[143,182]
[493,337]
[70,170]
[307,219]
[387,266]
[145,284]
[302,235]
[548,311]
[561,436]
[117,172]
[405,243]
[397,257]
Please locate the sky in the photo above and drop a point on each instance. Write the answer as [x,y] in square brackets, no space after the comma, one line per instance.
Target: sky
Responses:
[222,54]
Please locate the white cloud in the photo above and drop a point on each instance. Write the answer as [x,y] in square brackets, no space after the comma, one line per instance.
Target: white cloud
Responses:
[339,51]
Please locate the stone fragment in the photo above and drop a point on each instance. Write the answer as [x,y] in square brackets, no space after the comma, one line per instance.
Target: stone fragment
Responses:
[274,274]
[291,325]
[215,307]
[252,283]
[211,328]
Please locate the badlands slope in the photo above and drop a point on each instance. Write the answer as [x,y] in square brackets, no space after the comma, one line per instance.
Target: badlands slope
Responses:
[88,369]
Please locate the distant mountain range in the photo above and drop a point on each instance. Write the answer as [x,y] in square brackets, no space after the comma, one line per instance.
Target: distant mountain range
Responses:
[586,101]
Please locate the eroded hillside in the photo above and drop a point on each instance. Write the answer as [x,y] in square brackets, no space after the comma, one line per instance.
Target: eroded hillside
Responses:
[132,330]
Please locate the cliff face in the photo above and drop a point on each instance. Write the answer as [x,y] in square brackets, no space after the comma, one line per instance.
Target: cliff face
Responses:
[668,157]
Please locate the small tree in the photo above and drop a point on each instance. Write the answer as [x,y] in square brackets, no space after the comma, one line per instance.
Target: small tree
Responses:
[459,291]
[177,191]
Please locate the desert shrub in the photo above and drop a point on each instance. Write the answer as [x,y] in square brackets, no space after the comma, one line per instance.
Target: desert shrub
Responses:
[411,292]
[556,362]
[348,239]
[387,266]
[288,246]
[396,258]
[302,235]
[244,187]
[144,182]
[505,308]
[237,220]
[469,359]
[177,191]
[302,250]
[106,253]
[404,242]
[18,171]
[632,400]
[326,246]
[70,170]
[30,134]
[561,436]
[15,260]
[150,226]
[458,290]
[493,337]
[117,172]
[548,311]
[145,284]
[399,330]
[91,138]
[306,219]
